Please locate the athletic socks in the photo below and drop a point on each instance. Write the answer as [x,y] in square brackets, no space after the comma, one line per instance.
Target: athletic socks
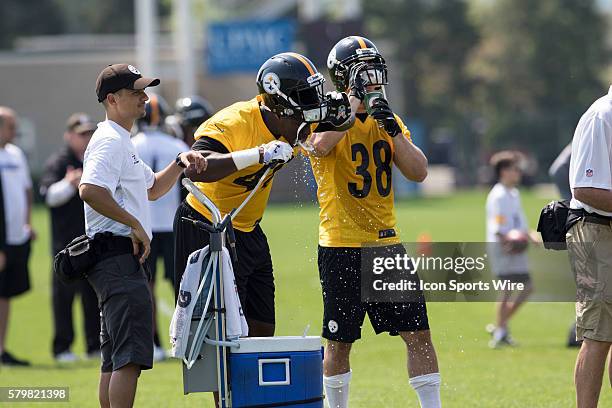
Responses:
[337,390]
[427,388]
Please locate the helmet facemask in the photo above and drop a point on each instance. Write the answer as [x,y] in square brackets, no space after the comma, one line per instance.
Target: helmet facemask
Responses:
[305,102]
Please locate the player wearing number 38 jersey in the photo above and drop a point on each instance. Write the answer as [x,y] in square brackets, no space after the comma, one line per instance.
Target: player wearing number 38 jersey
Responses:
[354,171]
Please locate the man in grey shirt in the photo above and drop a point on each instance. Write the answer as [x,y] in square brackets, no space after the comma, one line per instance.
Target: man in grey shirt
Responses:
[115,187]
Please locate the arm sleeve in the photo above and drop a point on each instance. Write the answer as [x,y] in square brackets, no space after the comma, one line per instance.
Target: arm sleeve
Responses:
[499,220]
[210,144]
[218,131]
[149,175]
[25,171]
[402,126]
[59,193]
[590,162]
[103,164]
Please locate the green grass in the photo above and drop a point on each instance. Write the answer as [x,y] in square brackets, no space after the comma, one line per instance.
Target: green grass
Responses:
[537,374]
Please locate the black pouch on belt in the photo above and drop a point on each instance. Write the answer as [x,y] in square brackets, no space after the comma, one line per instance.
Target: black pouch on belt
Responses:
[74,262]
[553,224]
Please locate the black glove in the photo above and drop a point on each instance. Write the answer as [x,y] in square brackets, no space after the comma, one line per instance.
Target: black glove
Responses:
[338,109]
[383,114]
[356,82]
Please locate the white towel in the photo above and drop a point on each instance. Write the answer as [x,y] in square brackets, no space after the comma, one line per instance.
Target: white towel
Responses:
[181,319]
[235,322]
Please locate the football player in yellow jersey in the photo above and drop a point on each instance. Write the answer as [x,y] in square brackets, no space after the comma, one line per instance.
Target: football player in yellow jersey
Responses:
[354,170]
[240,142]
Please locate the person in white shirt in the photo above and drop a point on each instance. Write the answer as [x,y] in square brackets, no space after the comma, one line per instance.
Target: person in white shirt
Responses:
[589,244]
[116,186]
[156,148]
[16,186]
[505,218]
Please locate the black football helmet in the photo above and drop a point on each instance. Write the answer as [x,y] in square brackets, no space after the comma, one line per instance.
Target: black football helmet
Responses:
[349,52]
[291,87]
[156,110]
[193,111]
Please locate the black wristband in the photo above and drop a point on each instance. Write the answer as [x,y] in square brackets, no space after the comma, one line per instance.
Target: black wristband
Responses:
[178,161]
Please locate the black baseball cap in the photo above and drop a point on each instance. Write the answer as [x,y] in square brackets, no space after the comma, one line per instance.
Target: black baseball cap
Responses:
[121,76]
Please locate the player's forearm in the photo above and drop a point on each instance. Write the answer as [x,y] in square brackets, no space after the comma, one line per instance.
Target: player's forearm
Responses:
[219,166]
[102,202]
[595,197]
[164,181]
[409,159]
[324,142]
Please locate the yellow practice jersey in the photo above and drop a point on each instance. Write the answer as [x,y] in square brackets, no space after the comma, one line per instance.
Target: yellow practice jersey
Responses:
[355,188]
[238,127]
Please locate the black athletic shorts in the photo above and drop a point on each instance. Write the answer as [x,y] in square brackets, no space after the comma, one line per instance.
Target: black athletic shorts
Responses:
[343,310]
[15,278]
[126,312]
[253,272]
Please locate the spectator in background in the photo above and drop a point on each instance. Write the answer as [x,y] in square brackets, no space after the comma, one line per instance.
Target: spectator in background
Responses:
[507,238]
[15,215]
[156,149]
[59,188]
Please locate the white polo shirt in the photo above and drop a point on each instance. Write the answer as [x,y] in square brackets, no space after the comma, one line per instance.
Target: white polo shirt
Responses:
[505,213]
[111,161]
[15,183]
[157,149]
[591,162]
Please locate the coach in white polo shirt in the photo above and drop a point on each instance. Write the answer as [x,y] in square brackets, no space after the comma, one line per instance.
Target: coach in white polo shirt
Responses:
[590,246]
[115,186]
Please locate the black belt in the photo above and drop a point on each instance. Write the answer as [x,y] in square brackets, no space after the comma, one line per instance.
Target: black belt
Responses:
[107,245]
[592,218]
[597,220]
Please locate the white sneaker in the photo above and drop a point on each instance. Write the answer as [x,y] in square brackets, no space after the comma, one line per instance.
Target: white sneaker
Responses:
[66,357]
[159,354]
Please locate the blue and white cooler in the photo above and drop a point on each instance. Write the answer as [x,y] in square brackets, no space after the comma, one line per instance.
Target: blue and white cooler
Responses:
[277,372]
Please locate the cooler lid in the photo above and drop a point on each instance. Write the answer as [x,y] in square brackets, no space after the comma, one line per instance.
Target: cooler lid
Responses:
[277,344]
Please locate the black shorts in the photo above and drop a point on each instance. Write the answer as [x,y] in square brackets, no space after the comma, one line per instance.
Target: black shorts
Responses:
[516,277]
[162,245]
[343,309]
[253,272]
[15,278]
[126,312]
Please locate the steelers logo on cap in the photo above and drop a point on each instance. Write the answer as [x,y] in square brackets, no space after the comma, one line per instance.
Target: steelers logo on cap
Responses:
[133,70]
[271,83]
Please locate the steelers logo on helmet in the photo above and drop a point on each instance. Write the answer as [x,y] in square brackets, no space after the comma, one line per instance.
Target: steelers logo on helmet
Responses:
[133,70]
[291,87]
[331,59]
[271,83]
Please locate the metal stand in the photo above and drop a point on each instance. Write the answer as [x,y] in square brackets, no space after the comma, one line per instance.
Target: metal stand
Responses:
[221,226]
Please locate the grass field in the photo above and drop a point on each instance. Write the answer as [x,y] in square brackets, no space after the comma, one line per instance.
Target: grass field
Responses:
[536,374]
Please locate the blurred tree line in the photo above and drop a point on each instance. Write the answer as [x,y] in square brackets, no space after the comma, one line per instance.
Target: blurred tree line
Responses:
[499,74]
[490,73]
